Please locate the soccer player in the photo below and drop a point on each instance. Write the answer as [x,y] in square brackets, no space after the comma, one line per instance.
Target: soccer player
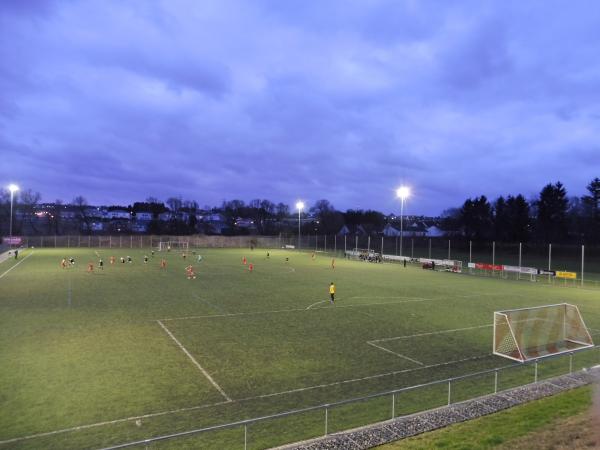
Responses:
[313,256]
[333,263]
[152,254]
[145,259]
[90,268]
[129,260]
[244,261]
[72,261]
[268,255]
[112,260]
[63,263]
[163,264]
[250,267]
[199,258]
[332,292]
[16,254]
[183,255]
[287,259]
[101,264]
[122,260]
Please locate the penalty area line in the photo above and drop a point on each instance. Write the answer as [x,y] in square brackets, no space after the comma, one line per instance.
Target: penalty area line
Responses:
[246,399]
[430,333]
[400,355]
[196,363]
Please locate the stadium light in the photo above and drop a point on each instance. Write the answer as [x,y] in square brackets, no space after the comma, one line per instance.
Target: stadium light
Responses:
[300,207]
[12,188]
[403,192]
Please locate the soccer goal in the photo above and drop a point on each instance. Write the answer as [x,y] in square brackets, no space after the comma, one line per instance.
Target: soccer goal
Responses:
[173,245]
[531,333]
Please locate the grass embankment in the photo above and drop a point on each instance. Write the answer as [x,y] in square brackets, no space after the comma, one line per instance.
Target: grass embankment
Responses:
[559,422]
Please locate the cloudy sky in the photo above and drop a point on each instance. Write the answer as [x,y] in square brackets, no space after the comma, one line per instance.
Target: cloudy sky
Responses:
[344,100]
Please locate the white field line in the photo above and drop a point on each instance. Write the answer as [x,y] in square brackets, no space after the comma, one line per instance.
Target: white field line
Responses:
[369,377]
[430,333]
[256,397]
[400,355]
[275,311]
[196,363]
[111,422]
[316,303]
[2,276]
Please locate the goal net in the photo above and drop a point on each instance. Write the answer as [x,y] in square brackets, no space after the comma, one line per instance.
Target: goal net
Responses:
[531,333]
[165,246]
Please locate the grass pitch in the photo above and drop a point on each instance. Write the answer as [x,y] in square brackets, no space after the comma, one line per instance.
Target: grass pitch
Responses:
[134,351]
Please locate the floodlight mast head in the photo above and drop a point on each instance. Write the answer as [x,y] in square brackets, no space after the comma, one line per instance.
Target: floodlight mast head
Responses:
[403,192]
[300,205]
[13,188]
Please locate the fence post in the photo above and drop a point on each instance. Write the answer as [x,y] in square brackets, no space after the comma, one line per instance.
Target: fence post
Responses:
[549,262]
[79,241]
[520,260]
[131,241]
[429,248]
[335,243]
[68,241]
[582,253]
[448,248]
[382,246]
[368,244]
[493,255]
[245,436]
[495,381]
[536,372]
[570,363]
[41,241]
[120,241]
[412,247]
[345,244]
[325,245]
[326,418]
[470,251]
[393,405]
[449,392]
[356,241]
[90,241]
[55,245]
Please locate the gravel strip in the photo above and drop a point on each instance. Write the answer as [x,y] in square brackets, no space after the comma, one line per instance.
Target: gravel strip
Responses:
[407,426]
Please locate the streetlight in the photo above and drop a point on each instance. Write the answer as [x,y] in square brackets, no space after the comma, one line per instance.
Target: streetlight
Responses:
[299,206]
[12,188]
[402,192]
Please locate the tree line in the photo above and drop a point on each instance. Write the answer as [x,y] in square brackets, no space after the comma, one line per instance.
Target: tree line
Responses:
[552,216]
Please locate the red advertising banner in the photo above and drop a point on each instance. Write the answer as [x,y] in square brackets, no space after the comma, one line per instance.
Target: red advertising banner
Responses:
[482,266]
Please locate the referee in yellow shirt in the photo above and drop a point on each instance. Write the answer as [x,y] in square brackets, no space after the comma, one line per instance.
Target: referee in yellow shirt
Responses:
[332,292]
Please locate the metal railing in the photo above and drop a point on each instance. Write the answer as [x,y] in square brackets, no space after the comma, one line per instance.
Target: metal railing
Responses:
[448,392]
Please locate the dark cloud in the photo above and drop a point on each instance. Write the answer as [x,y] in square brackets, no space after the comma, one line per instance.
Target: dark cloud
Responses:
[341,100]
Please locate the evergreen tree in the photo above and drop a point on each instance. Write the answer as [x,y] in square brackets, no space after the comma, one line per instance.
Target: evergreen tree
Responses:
[552,224]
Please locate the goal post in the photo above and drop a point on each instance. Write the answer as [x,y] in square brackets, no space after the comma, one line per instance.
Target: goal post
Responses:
[173,245]
[530,333]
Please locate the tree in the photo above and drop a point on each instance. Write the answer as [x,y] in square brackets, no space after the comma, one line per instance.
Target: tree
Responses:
[501,220]
[519,222]
[590,211]
[84,220]
[29,202]
[476,218]
[551,225]
[175,204]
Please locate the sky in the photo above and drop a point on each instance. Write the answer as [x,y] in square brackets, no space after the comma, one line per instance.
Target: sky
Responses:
[344,100]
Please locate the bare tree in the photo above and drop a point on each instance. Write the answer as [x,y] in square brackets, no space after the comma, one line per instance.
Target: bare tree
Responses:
[84,220]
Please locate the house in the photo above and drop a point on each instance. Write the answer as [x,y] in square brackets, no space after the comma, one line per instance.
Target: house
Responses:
[143,216]
[165,217]
[434,231]
[140,227]
[390,231]
[357,230]
[118,214]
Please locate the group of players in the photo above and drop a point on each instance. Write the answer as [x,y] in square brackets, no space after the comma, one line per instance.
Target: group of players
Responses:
[189,269]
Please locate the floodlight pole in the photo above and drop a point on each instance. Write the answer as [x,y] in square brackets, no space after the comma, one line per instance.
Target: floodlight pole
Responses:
[298,228]
[12,188]
[401,222]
